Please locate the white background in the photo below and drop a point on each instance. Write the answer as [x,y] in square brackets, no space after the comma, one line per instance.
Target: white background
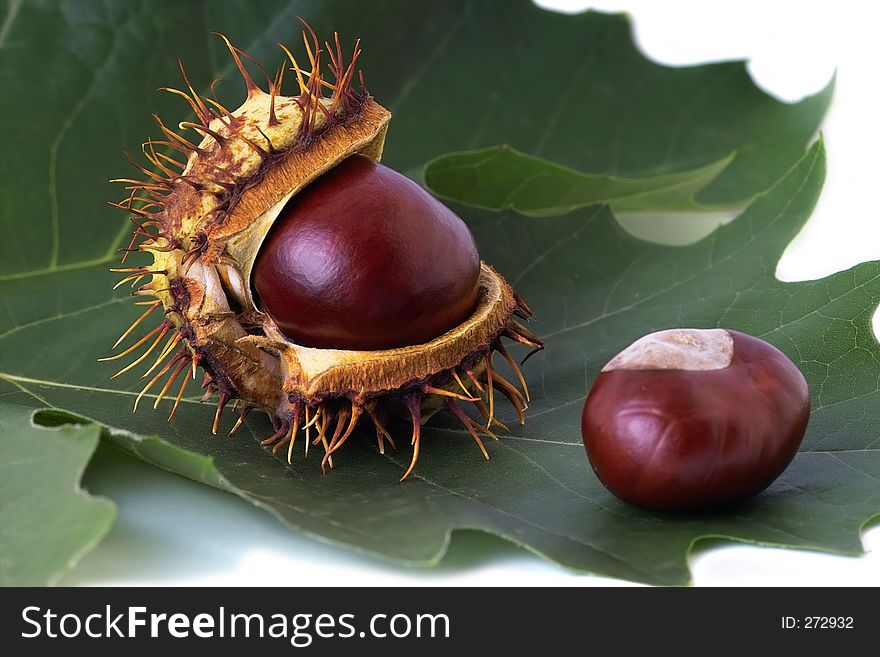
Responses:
[173,531]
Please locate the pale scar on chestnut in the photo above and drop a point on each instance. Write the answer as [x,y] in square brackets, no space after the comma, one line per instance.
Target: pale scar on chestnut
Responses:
[694,418]
[304,278]
[676,349]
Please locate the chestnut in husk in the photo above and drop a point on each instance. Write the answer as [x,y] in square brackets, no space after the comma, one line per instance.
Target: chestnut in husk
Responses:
[307,280]
[694,418]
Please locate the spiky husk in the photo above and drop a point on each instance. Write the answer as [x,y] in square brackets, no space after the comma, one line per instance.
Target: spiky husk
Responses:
[204,220]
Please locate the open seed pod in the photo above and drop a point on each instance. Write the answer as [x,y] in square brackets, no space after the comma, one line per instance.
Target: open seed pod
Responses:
[205,221]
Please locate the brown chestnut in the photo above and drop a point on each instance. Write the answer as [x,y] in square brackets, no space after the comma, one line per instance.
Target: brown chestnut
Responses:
[694,418]
[364,258]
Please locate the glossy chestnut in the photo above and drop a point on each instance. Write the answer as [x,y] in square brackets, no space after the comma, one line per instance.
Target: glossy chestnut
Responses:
[693,419]
[364,258]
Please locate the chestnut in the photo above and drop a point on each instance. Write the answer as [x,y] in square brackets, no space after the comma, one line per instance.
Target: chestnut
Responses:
[364,258]
[694,418]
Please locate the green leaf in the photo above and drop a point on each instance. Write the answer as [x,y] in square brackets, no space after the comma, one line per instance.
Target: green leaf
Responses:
[501,178]
[47,522]
[594,287]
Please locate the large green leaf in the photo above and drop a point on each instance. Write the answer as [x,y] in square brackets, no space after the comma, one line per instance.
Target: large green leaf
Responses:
[454,80]
[538,489]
